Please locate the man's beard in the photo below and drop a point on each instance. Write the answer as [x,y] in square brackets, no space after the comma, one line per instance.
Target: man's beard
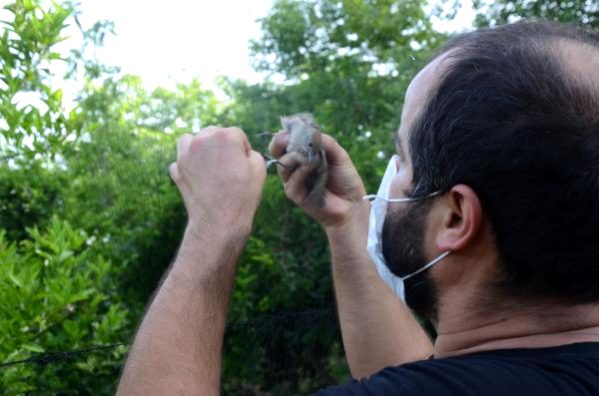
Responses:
[403,249]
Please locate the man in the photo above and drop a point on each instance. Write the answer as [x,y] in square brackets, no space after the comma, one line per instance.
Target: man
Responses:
[496,184]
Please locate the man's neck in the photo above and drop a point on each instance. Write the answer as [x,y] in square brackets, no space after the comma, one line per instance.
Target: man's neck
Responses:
[464,329]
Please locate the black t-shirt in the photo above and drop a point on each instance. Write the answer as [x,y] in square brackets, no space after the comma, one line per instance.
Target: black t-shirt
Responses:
[565,370]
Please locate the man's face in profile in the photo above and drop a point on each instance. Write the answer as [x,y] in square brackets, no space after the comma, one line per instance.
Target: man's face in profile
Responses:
[403,249]
[404,229]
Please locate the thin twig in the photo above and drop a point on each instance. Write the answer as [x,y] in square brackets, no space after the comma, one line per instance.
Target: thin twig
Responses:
[56,356]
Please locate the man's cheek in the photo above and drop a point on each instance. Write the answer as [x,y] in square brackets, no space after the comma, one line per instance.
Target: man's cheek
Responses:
[399,185]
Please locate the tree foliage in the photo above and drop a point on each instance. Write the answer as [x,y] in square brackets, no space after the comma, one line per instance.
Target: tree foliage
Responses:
[56,295]
[349,63]
[582,12]
[89,219]
[35,124]
[120,170]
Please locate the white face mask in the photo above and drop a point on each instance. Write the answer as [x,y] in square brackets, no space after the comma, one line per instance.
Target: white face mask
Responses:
[378,212]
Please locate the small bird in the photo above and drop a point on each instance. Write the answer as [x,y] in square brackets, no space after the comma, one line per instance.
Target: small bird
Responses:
[305,139]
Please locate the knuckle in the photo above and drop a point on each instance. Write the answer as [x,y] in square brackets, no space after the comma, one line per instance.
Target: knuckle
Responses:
[183,137]
[222,134]
[236,130]
[197,142]
[209,129]
[281,138]
[213,134]
[283,174]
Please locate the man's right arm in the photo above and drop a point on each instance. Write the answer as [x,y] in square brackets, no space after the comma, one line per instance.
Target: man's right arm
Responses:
[378,329]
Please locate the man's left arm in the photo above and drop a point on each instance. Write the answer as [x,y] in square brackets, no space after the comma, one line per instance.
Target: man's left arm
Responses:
[178,346]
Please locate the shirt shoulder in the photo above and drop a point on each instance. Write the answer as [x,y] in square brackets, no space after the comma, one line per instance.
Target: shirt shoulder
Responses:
[568,370]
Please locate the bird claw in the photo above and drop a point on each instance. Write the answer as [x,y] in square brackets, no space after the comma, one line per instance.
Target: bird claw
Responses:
[269,161]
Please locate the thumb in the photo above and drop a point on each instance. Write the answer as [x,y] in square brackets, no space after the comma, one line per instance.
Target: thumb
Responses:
[278,144]
[258,164]
[174,172]
[336,155]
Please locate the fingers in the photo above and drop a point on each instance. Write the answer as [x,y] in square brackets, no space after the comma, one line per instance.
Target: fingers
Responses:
[278,144]
[289,163]
[186,142]
[174,171]
[336,155]
[257,162]
[294,176]
[295,187]
[241,137]
[183,145]
[233,134]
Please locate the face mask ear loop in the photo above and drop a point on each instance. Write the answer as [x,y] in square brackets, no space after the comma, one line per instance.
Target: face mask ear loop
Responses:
[374,197]
[413,198]
[435,261]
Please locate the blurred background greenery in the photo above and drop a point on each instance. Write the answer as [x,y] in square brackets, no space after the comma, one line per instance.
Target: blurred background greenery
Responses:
[89,218]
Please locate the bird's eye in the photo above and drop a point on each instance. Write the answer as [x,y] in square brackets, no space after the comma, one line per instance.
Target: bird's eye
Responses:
[310,144]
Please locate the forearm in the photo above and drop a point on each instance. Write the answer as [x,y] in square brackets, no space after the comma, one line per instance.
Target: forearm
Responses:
[178,345]
[377,327]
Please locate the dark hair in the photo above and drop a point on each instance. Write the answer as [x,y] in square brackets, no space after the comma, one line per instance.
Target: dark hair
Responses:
[513,121]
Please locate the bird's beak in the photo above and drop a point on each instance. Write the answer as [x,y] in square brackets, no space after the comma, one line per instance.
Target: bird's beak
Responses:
[310,156]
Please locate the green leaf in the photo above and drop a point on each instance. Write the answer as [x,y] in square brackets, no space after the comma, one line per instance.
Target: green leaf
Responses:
[16,281]
[33,348]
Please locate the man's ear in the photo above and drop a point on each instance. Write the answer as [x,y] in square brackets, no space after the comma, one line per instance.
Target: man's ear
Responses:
[462,218]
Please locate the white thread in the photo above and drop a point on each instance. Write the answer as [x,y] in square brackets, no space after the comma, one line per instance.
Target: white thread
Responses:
[435,261]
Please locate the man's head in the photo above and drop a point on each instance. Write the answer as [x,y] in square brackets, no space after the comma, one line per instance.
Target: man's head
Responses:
[504,121]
